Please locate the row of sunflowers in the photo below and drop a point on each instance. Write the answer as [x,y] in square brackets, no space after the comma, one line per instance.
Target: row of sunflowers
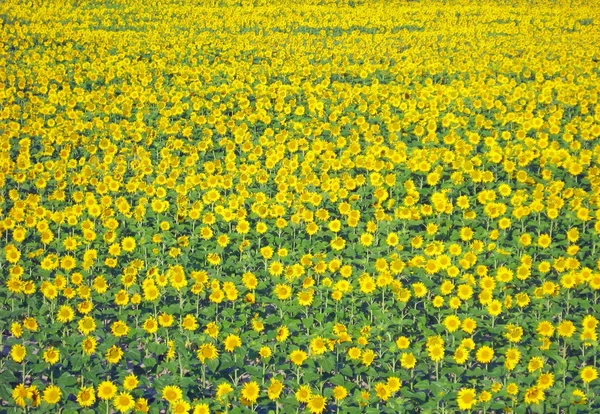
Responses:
[333,206]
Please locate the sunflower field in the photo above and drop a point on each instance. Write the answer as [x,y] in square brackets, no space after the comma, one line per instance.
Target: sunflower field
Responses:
[351,206]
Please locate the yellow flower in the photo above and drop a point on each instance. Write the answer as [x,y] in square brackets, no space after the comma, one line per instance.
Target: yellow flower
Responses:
[408,360]
[402,342]
[484,354]
[250,391]
[274,390]
[544,241]
[534,395]
[130,382]
[19,394]
[382,391]
[189,323]
[265,352]
[223,389]
[339,393]
[466,398]
[298,357]
[303,394]
[317,404]
[232,342]
[106,390]
[86,396]
[207,351]
[119,328]
[51,355]
[18,353]
[588,374]
[52,394]
[451,323]
[114,354]
[65,314]
[171,393]
[485,396]
[123,402]
[89,345]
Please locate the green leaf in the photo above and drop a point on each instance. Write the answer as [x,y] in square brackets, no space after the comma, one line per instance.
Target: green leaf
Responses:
[326,364]
[66,380]
[157,349]
[149,362]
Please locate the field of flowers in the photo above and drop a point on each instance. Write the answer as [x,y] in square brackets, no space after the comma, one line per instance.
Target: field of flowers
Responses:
[327,206]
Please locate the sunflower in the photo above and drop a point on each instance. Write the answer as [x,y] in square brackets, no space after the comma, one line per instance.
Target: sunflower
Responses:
[436,353]
[484,354]
[274,390]
[180,407]
[282,333]
[282,291]
[119,328]
[51,355]
[339,393]
[466,398]
[52,394]
[89,345]
[545,381]
[544,241]
[123,402]
[451,323]
[201,409]
[130,382]
[298,357]
[165,320]
[171,393]
[207,351]
[16,329]
[461,355]
[408,360]
[150,325]
[382,391]
[588,374]
[114,354]
[250,391]
[303,394]
[189,323]
[86,325]
[265,352]
[65,314]
[86,397]
[19,394]
[368,357]
[106,390]
[305,297]
[317,404]
[534,395]
[318,346]
[223,389]
[18,353]
[232,342]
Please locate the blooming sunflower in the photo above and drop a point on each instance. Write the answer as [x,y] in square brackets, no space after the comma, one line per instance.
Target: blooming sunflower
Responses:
[275,388]
[86,396]
[250,391]
[298,357]
[466,398]
[52,394]
[232,342]
[106,390]
[172,393]
[123,402]
[317,404]
[588,374]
